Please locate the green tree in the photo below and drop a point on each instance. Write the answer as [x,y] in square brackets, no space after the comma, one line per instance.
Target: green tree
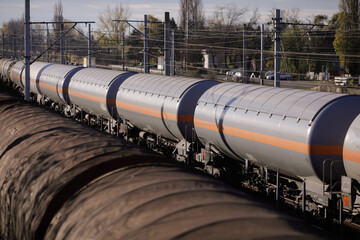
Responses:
[135,42]
[110,32]
[14,37]
[192,11]
[191,20]
[294,42]
[223,27]
[347,39]
[114,29]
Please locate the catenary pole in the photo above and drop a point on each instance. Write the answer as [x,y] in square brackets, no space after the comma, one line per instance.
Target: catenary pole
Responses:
[172,65]
[277,49]
[89,48]
[262,56]
[167,44]
[244,56]
[27,50]
[62,45]
[123,51]
[146,58]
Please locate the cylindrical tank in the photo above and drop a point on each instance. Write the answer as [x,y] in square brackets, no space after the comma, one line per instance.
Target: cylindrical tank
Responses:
[351,150]
[161,105]
[45,159]
[5,69]
[16,72]
[94,90]
[62,180]
[167,202]
[2,63]
[54,82]
[36,69]
[290,130]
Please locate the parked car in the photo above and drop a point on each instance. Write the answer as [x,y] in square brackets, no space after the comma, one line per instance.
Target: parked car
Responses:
[235,72]
[235,75]
[283,75]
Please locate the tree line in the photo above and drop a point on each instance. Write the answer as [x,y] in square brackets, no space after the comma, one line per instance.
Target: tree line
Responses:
[324,43]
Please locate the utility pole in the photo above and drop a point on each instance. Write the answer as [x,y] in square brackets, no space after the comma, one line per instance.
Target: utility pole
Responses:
[69,48]
[27,50]
[146,67]
[123,51]
[14,44]
[244,57]
[62,45]
[277,49]
[3,44]
[186,34]
[89,48]
[172,65]
[167,44]
[117,47]
[262,56]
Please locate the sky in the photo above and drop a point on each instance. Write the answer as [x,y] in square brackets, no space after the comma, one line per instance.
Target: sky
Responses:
[88,10]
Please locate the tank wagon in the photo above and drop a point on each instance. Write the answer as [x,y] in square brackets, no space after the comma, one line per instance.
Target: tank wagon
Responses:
[352,149]
[74,182]
[295,132]
[54,82]
[94,90]
[5,65]
[161,105]
[287,142]
[16,73]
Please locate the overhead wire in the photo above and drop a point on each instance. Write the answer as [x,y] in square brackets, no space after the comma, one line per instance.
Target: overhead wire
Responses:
[230,42]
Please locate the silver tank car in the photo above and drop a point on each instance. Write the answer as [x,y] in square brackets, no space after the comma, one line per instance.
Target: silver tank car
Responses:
[289,130]
[161,105]
[5,65]
[2,62]
[54,82]
[167,202]
[95,90]
[73,182]
[351,150]
[6,68]
[16,72]
[36,70]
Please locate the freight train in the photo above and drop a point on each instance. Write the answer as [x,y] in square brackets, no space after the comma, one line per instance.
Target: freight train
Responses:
[62,180]
[302,146]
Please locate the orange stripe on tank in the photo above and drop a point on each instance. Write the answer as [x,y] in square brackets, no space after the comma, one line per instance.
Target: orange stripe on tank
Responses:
[53,88]
[127,106]
[155,113]
[87,96]
[350,155]
[47,86]
[270,140]
[15,76]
